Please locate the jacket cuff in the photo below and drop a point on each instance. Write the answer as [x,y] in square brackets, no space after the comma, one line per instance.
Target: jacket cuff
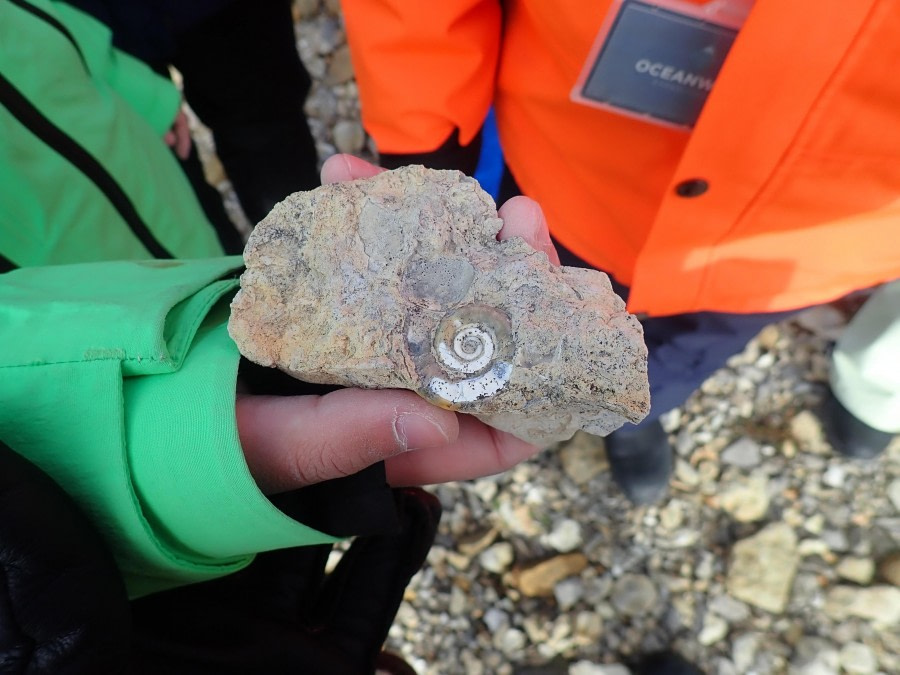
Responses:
[123,390]
[154,97]
[187,465]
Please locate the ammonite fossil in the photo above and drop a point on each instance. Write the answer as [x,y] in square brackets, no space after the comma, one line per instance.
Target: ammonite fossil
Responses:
[399,281]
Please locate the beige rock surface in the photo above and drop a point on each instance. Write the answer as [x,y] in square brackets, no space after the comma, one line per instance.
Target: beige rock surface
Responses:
[398,281]
[763,567]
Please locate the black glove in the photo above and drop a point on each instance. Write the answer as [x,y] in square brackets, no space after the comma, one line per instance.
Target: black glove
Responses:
[64,609]
[63,606]
[283,614]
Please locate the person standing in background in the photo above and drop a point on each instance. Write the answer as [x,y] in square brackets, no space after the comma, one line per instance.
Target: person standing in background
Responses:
[726,162]
[243,77]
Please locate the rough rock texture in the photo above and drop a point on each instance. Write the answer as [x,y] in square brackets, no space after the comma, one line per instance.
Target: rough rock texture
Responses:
[763,567]
[398,281]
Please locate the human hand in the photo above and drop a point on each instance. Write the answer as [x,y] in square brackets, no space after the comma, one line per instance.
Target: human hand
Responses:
[179,135]
[294,441]
[522,216]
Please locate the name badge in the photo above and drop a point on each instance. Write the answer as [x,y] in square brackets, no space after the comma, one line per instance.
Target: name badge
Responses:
[658,59]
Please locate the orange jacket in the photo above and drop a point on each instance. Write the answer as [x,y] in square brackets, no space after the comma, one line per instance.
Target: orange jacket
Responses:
[799,142]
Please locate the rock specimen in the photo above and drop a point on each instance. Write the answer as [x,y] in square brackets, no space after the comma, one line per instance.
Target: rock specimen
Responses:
[763,567]
[398,281]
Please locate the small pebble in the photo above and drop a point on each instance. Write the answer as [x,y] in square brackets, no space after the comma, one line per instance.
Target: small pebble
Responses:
[858,659]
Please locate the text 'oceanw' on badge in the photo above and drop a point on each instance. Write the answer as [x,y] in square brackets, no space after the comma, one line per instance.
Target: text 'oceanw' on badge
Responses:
[657,60]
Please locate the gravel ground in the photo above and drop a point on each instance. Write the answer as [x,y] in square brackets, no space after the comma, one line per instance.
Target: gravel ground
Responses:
[771,554]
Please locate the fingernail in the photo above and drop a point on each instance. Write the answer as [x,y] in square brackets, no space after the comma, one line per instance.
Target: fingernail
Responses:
[415,432]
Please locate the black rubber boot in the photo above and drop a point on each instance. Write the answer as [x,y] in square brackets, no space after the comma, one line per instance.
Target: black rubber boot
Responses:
[665,663]
[641,462]
[849,435]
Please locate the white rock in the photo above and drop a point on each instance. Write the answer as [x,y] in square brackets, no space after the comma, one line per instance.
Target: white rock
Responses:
[634,595]
[835,476]
[824,320]
[495,619]
[858,658]
[893,492]
[744,453]
[682,538]
[511,641]
[857,570]
[568,592]
[349,136]
[816,668]
[486,489]
[518,518]
[810,547]
[459,601]
[565,536]
[340,68]
[671,516]
[583,457]
[814,524]
[743,651]
[748,499]
[686,473]
[815,656]
[588,627]
[705,566]
[497,558]
[763,567]
[807,431]
[723,666]
[879,604]
[715,628]
[306,8]
[733,611]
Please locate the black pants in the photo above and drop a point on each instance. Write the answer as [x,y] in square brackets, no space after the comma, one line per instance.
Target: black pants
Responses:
[245,80]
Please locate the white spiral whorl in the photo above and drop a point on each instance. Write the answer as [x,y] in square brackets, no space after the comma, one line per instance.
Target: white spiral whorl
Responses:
[470,351]
[471,356]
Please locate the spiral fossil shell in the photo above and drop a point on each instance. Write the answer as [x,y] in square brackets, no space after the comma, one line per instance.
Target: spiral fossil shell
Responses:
[470,357]
[398,281]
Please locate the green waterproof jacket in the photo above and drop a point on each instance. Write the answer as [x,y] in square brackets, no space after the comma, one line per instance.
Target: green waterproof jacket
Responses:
[84,174]
[118,379]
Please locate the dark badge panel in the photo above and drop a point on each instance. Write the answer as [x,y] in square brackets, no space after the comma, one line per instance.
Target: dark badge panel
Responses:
[658,63]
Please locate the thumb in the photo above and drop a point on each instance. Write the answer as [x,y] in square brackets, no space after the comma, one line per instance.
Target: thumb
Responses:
[293,441]
[343,167]
[523,217]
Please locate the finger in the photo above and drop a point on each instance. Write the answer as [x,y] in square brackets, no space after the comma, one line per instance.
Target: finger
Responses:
[292,441]
[182,136]
[169,138]
[343,167]
[524,218]
[479,450]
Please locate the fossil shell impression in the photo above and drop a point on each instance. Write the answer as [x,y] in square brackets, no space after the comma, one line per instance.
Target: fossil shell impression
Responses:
[398,281]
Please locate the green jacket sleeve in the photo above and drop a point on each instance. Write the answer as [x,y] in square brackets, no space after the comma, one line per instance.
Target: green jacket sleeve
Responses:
[118,379]
[153,97]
